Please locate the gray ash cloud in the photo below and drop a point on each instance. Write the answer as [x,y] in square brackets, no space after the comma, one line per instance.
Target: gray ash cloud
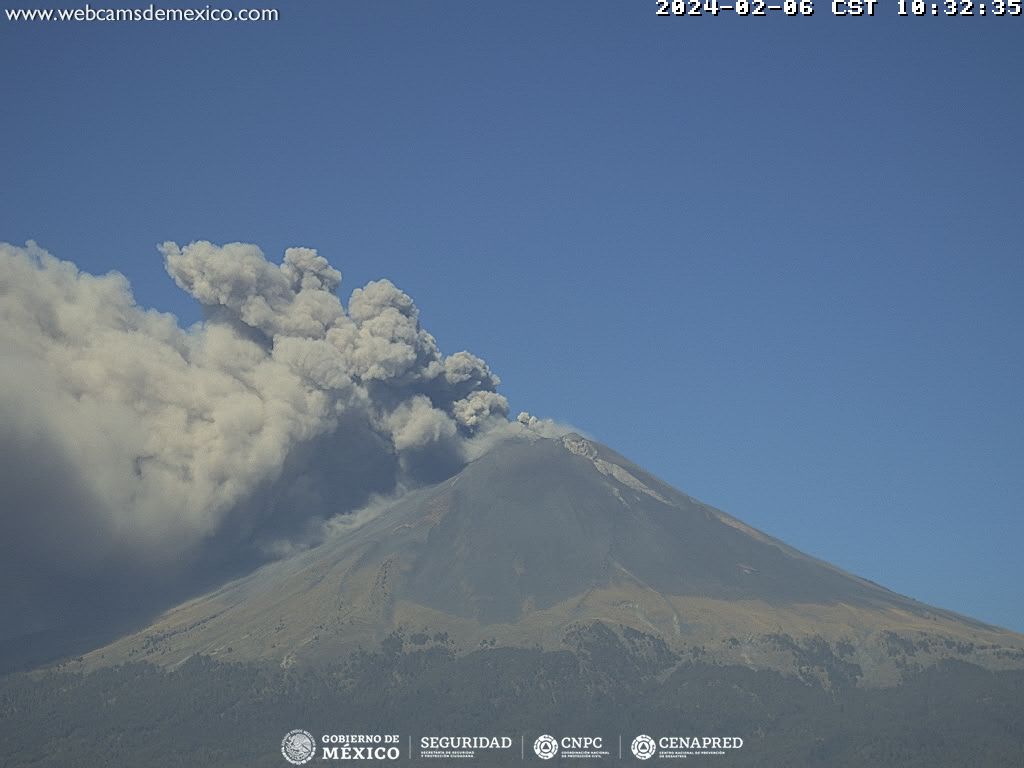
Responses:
[140,458]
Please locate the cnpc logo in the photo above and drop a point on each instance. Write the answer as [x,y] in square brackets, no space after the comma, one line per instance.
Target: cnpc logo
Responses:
[547,746]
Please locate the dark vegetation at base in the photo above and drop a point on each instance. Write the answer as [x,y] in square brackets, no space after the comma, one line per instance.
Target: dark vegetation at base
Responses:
[221,714]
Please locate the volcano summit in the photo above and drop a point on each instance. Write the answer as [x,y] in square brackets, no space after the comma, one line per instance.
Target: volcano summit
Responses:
[541,540]
[549,584]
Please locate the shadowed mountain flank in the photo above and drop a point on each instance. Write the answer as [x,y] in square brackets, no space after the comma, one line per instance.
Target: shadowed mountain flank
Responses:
[542,538]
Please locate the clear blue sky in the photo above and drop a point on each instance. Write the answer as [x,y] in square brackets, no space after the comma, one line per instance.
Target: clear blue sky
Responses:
[780,261]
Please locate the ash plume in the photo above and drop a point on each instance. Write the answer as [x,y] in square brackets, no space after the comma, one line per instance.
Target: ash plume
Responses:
[138,458]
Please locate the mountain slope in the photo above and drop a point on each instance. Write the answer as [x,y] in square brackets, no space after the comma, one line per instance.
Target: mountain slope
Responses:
[541,539]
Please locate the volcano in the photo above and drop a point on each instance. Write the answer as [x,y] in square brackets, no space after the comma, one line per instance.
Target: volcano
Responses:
[542,541]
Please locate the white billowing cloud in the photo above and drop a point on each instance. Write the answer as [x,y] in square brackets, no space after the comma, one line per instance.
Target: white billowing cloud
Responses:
[281,408]
[387,343]
[288,300]
[416,424]
[479,408]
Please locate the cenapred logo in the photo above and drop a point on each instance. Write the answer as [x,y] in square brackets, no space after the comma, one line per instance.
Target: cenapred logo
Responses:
[298,746]
[546,747]
[643,747]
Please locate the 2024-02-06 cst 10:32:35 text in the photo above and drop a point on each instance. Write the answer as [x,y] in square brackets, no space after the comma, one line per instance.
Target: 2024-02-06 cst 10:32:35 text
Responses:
[681,8]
